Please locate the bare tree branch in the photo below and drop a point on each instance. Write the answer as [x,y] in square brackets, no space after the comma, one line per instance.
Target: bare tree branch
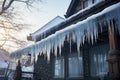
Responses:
[5,7]
[8,22]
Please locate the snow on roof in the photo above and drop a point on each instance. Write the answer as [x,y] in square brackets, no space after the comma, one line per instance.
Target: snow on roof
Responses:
[82,10]
[78,13]
[77,32]
[48,26]
[85,9]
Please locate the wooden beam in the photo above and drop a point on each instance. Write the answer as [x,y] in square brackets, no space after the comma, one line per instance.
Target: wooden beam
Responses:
[114,56]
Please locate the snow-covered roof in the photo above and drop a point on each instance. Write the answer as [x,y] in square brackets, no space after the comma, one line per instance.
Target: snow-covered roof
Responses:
[73,4]
[57,20]
[72,18]
[77,32]
[85,9]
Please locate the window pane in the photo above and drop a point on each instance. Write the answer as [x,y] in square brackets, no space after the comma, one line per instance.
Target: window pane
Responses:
[59,67]
[87,3]
[99,66]
[75,66]
[98,0]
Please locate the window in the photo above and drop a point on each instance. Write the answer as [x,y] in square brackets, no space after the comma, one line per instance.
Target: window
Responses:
[75,66]
[59,68]
[99,66]
[87,3]
[97,1]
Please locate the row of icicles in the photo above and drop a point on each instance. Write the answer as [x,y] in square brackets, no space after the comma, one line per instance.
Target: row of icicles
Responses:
[86,30]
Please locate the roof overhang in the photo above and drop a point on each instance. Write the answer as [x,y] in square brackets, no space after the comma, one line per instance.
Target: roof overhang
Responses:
[81,15]
[75,32]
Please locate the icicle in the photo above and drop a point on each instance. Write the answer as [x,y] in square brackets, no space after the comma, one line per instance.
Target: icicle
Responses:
[88,35]
[101,28]
[48,52]
[58,43]
[70,44]
[68,36]
[55,49]
[92,38]
[63,39]
[73,36]
[86,28]
[95,33]
[36,57]
[32,58]
[78,38]
[52,49]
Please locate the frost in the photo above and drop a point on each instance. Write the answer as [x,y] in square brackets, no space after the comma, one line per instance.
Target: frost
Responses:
[86,30]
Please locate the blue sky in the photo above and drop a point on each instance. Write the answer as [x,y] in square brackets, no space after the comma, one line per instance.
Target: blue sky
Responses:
[45,11]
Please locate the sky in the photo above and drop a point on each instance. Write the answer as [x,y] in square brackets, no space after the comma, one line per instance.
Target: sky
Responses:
[46,11]
[37,16]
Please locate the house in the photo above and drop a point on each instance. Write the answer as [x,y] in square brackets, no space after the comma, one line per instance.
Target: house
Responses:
[27,73]
[82,47]
[52,24]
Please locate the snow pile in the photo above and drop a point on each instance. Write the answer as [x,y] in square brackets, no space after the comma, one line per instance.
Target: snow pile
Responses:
[77,33]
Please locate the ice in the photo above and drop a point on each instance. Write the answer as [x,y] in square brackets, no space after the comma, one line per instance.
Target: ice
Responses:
[77,33]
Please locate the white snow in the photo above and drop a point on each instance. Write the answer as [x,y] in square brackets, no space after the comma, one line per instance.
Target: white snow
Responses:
[27,69]
[77,32]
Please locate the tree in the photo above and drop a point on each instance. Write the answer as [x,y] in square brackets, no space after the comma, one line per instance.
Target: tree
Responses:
[6,4]
[8,22]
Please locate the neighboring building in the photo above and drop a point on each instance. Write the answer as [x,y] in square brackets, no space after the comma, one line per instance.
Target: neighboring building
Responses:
[27,73]
[78,47]
[4,56]
[52,24]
